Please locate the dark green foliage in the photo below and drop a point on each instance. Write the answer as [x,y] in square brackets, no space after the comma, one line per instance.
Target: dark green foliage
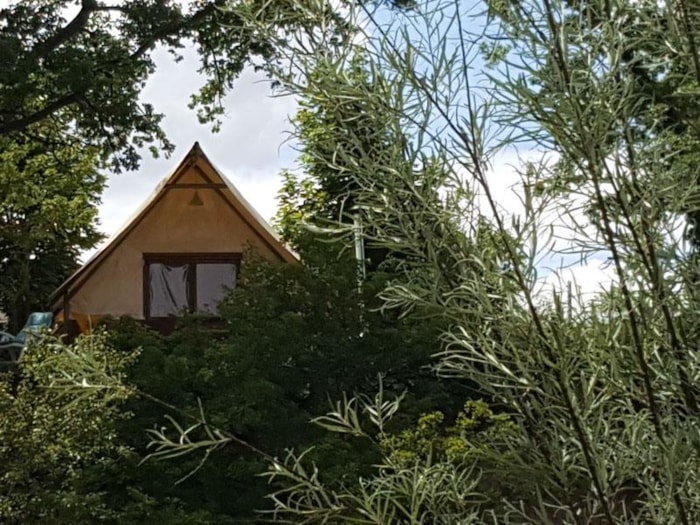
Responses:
[85,68]
[166,370]
[334,339]
[291,338]
[48,203]
[89,67]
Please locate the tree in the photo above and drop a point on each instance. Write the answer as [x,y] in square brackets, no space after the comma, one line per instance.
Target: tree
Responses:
[324,195]
[601,391]
[662,79]
[84,70]
[293,337]
[57,423]
[344,131]
[48,199]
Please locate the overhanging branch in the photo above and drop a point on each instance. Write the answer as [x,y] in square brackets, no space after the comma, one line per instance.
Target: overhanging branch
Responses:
[75,26]
[46,111]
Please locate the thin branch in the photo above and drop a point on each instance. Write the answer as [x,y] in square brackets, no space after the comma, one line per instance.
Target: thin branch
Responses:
[656,277]
[38,116]
[477,167]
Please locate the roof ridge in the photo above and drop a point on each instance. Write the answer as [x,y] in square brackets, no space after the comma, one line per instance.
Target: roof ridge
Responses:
[195,153]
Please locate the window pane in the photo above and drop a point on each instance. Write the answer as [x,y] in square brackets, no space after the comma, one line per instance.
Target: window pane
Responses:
[213,281]
[168,289]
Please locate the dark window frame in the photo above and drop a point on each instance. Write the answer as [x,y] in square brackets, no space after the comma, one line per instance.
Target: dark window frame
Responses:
[190,259]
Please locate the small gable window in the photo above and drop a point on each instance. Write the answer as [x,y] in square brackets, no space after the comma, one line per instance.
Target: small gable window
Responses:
[189,282]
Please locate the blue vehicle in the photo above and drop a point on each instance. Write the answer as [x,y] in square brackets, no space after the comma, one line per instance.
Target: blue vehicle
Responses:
[12,346]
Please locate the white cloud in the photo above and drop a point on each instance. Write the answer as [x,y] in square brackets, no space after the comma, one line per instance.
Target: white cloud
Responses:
[568,253]
[584,279]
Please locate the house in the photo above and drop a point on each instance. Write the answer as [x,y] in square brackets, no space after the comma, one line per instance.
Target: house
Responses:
[180,252]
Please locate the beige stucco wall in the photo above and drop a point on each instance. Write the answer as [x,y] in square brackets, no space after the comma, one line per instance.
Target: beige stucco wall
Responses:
[172,225]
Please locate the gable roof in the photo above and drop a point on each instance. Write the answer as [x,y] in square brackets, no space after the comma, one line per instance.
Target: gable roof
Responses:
[223,187]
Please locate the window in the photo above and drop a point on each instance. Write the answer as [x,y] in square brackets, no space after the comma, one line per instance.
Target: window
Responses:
[192,282]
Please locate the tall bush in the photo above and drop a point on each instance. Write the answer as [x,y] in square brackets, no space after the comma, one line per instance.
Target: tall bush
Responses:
[602,389]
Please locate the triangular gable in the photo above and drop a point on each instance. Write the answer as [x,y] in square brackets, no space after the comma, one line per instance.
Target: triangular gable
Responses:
[194,171]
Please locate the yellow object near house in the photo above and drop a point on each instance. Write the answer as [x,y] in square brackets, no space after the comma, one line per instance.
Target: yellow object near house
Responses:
[180,252]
